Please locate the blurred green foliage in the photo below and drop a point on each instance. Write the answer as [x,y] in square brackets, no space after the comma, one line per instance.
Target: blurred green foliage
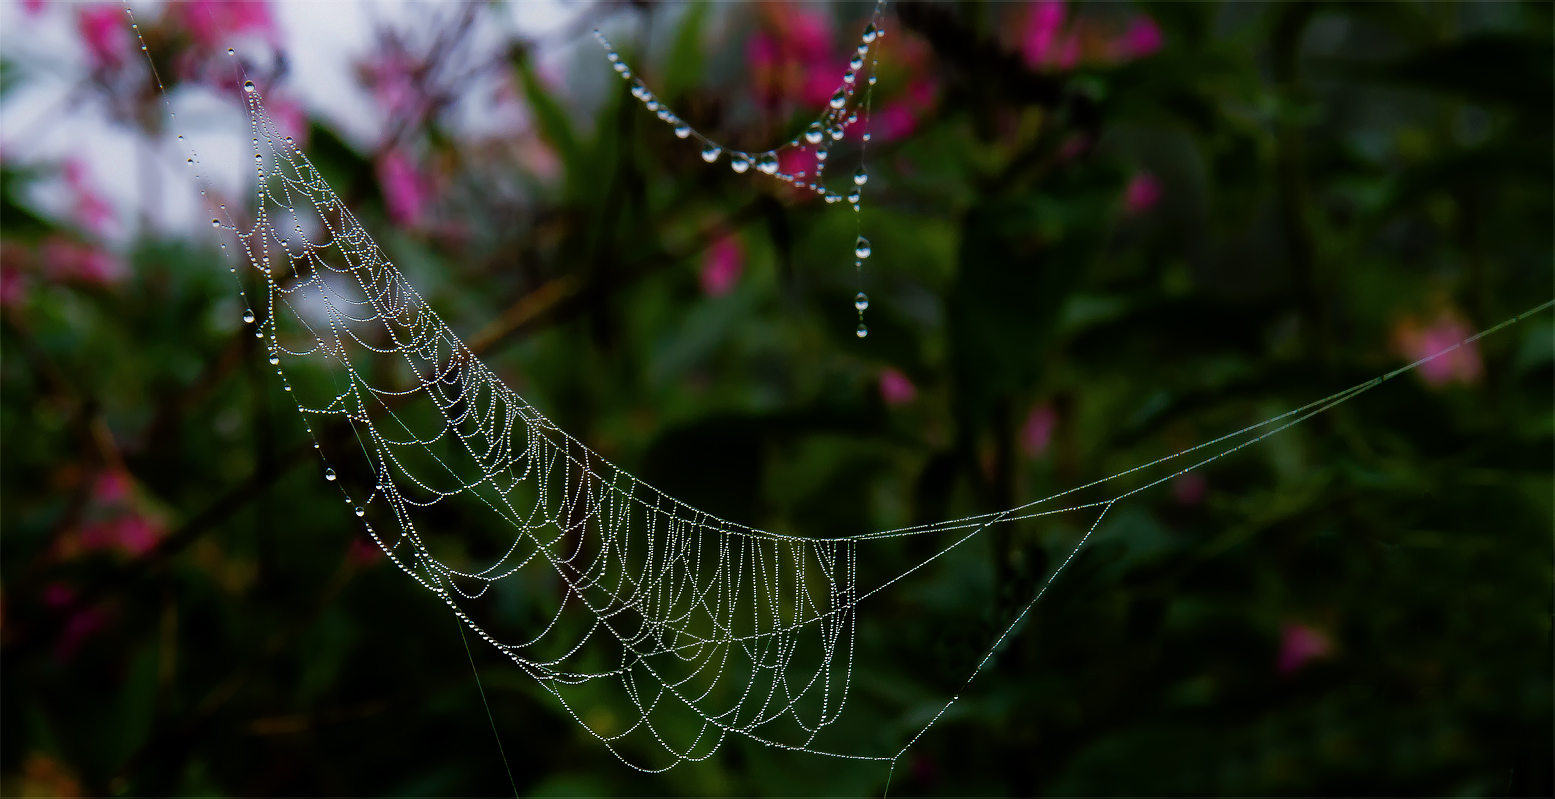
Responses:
[1360,605]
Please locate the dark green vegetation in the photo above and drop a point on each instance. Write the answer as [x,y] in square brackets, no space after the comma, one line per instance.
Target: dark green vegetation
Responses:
[1360,605]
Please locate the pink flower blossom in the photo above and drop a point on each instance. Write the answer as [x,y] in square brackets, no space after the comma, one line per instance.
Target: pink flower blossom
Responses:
[211,22]
[132,534]
[1037,432]
[721,266]
[395,80]
[105,30]
[792,57]
[111,487]
[1189,489]
[33,7]
[406,191]
[1141,39]
[1300,644]
[1142,193]
[91,210]
[1044,24]
[68,261]
[896,389]
[83,624]
[1461,365]
[898,118]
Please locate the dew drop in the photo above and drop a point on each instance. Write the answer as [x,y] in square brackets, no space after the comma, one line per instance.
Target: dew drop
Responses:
[230,51]
[191,160]
[248,86]
[866,137]
[665,115]
[863,48]
[858,61]
[832,197]
[275,360]
[813,134]
[288,140]
[871,33]
[861,176]
[682,130]
[739,162]
[862,330]
[360,511]
[215,223]
[820,154]
[620,67]
[768,163]
[861,301]
[640,91]
[852,118]
[329,474]
[652,105]
[861,247]
[613,56]
[836,133]
[853,196]
[289,388]
[248,316]
[839,99]
[849,77]
[710,153]
[871,80]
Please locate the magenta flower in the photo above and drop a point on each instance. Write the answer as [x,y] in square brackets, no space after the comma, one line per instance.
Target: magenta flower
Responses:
[1142,193]
[895,388]
[68,261]
[721,266]
[92,212]
[791,56]
[1300,644]
[396,81]
[1044,26]
[1141,39]
[105,30]
[1461,365]
[32,7]
[212,22]
[406,191]
[1037,432]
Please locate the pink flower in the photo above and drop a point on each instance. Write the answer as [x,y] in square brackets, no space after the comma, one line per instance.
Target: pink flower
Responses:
[396,80]
[1300,644]
[211,22]
[32,7]
[1037,432]
[898,118]
[1415,342]
[111,487]
[791,56]
[1142,193]
[82,625]
[896,389]
[13,286]
[106,32]
[1141,39]
[68,261]
[406,192]
[1188,489]
[721,266]
[1044,24]
[91,210]
[132,534]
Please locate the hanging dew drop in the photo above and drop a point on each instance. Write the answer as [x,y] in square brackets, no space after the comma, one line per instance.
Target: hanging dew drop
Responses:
[652,105]
[360,511]
[861,247]
[866,137]
[248,316]
[862,330]
[612,56]
[820,155]
[230,51]
[871,80]
[813,133]
[871,33]
[768,164]
[275,360]
[849,77]
[329,474]
[215,223]
[248,86]
[839,99]
[861,301]
[710,153]
[857,62]
[682,130]
[853,196]
[739,162]
[861,176]
[836,133]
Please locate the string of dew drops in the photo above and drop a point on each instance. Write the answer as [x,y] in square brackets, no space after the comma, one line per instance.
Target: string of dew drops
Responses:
[841,112]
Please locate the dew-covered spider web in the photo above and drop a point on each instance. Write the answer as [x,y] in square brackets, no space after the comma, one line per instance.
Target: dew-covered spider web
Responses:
[690,628]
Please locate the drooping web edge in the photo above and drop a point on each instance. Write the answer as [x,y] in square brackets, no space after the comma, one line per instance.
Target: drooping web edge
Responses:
[1235,441]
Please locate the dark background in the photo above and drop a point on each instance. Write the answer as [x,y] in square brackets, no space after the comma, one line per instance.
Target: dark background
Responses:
[1090,250]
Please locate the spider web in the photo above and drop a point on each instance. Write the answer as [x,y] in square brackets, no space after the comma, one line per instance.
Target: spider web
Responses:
[659,627]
